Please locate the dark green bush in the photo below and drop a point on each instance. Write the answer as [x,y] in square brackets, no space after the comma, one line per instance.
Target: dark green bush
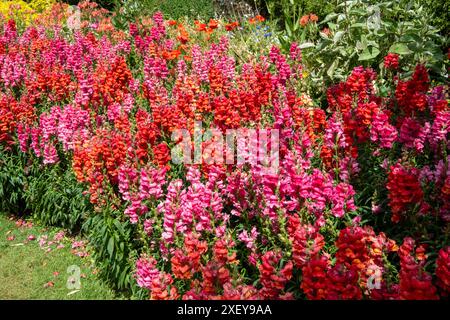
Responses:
[55,197]
[439,12]
[172,9]
[116,246]
[12,180]
[275,8]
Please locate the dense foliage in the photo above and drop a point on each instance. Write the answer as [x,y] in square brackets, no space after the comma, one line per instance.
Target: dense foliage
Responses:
[357,208]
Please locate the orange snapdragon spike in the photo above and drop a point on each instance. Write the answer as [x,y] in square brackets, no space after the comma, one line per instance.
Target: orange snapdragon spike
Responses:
[304,20]
[313,18]
[213,24]
[171,55]
[256,19]
[231,26]
[171,22]
[200,26]
[183,37]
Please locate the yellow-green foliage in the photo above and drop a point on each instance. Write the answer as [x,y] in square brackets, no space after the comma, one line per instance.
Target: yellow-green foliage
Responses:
[41,5]
[24,10]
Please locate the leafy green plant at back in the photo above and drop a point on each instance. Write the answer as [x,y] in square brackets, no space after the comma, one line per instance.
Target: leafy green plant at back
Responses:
[129,10]
[362,32]
[281,9]
[290,16]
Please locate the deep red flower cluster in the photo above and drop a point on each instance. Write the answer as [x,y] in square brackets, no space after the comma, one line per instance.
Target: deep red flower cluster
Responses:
[443,270]
[359,260]
[273,277]
[411,95]
[185,263]
[415,282]
[391,61]
[404,191]
[307,242]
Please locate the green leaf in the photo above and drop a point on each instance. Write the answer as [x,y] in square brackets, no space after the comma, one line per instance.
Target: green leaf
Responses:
[341,17]
[337,36]
[332,67]
[329,17]
[111,246]
[119,227]
[288,30]
[306,45]
[358,25]
[400,48]
[368,54]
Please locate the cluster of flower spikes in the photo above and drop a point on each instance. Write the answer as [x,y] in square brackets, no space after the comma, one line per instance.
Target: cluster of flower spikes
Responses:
[415,282]
[359,258]
[360,113]
[411,95]
[404,190]
[307,242]
[111,82]
[308,118]
[12,114]
[443,271]
[215,276]
[274,278]
[186,262]
[291,190]
[159,283]
[96,161]
[417,132]
[214,68]
[138,187]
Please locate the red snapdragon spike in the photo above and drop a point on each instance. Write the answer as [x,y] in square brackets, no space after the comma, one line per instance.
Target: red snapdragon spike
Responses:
[404,191]
[391,61]
[443,270]
[415,283]
[411,95]
[273,278]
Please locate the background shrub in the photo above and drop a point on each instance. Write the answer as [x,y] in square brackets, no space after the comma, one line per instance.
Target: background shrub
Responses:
[276,8]
[439,14]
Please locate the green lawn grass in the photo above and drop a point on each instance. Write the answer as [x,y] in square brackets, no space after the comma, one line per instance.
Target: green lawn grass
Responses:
[28,271]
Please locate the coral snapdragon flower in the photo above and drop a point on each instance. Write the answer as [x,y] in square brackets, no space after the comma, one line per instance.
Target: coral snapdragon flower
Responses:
[231,26]
[200,26]
[308,18]
[256,19]
[171,22]
[213,24]
[304,20]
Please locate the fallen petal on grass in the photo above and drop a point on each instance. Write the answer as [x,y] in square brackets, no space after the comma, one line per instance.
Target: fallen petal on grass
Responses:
[72,292]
